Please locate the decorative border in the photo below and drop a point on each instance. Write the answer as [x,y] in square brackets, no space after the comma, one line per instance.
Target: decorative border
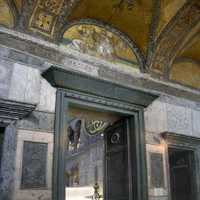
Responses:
[87,98]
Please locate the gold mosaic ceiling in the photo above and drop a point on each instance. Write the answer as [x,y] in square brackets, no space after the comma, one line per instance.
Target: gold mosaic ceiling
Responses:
[134,21]
[168,9]
[189,60]
[154,26]
[6,15]
[126,20]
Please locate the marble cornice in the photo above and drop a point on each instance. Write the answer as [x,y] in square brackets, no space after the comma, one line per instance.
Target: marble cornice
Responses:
[13,110]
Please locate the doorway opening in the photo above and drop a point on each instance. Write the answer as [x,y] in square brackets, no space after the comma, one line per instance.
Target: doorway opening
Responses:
[97,155]
[182,178]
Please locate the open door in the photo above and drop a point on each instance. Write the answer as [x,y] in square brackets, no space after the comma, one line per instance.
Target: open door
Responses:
[116,162]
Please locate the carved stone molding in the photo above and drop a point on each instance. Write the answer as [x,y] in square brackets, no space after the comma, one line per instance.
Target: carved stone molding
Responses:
[71,94]
[174,36]
[72,81]
[181,140]
[12,110]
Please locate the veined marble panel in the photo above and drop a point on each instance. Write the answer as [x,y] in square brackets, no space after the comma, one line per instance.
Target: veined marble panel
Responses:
[179,119]
[47,97]
[31,194]
[156,117]
[6,70]
[34,165]
[25,84]
[196,123]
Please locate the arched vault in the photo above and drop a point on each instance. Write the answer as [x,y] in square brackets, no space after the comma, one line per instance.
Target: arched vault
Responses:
[175,38]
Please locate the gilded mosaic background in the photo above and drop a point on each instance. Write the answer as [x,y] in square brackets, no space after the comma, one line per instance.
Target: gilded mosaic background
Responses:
[6,16]
[99,42]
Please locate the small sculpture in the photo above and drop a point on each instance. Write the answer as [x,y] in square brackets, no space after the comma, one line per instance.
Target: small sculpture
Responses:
[96,195]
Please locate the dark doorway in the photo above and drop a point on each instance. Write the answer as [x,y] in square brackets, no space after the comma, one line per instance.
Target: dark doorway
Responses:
[181,173]
[116,162]
[2,130]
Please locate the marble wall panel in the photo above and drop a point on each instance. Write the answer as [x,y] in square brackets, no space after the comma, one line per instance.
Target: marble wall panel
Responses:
[25,84]
[159,198]
[37,120]
[156,117]
[179,119]
[6,70]
[28,193]
[157,171]
[47,97]
[34,165]
[196,123]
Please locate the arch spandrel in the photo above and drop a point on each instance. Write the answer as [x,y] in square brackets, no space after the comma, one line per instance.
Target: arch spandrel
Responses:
[100,42]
